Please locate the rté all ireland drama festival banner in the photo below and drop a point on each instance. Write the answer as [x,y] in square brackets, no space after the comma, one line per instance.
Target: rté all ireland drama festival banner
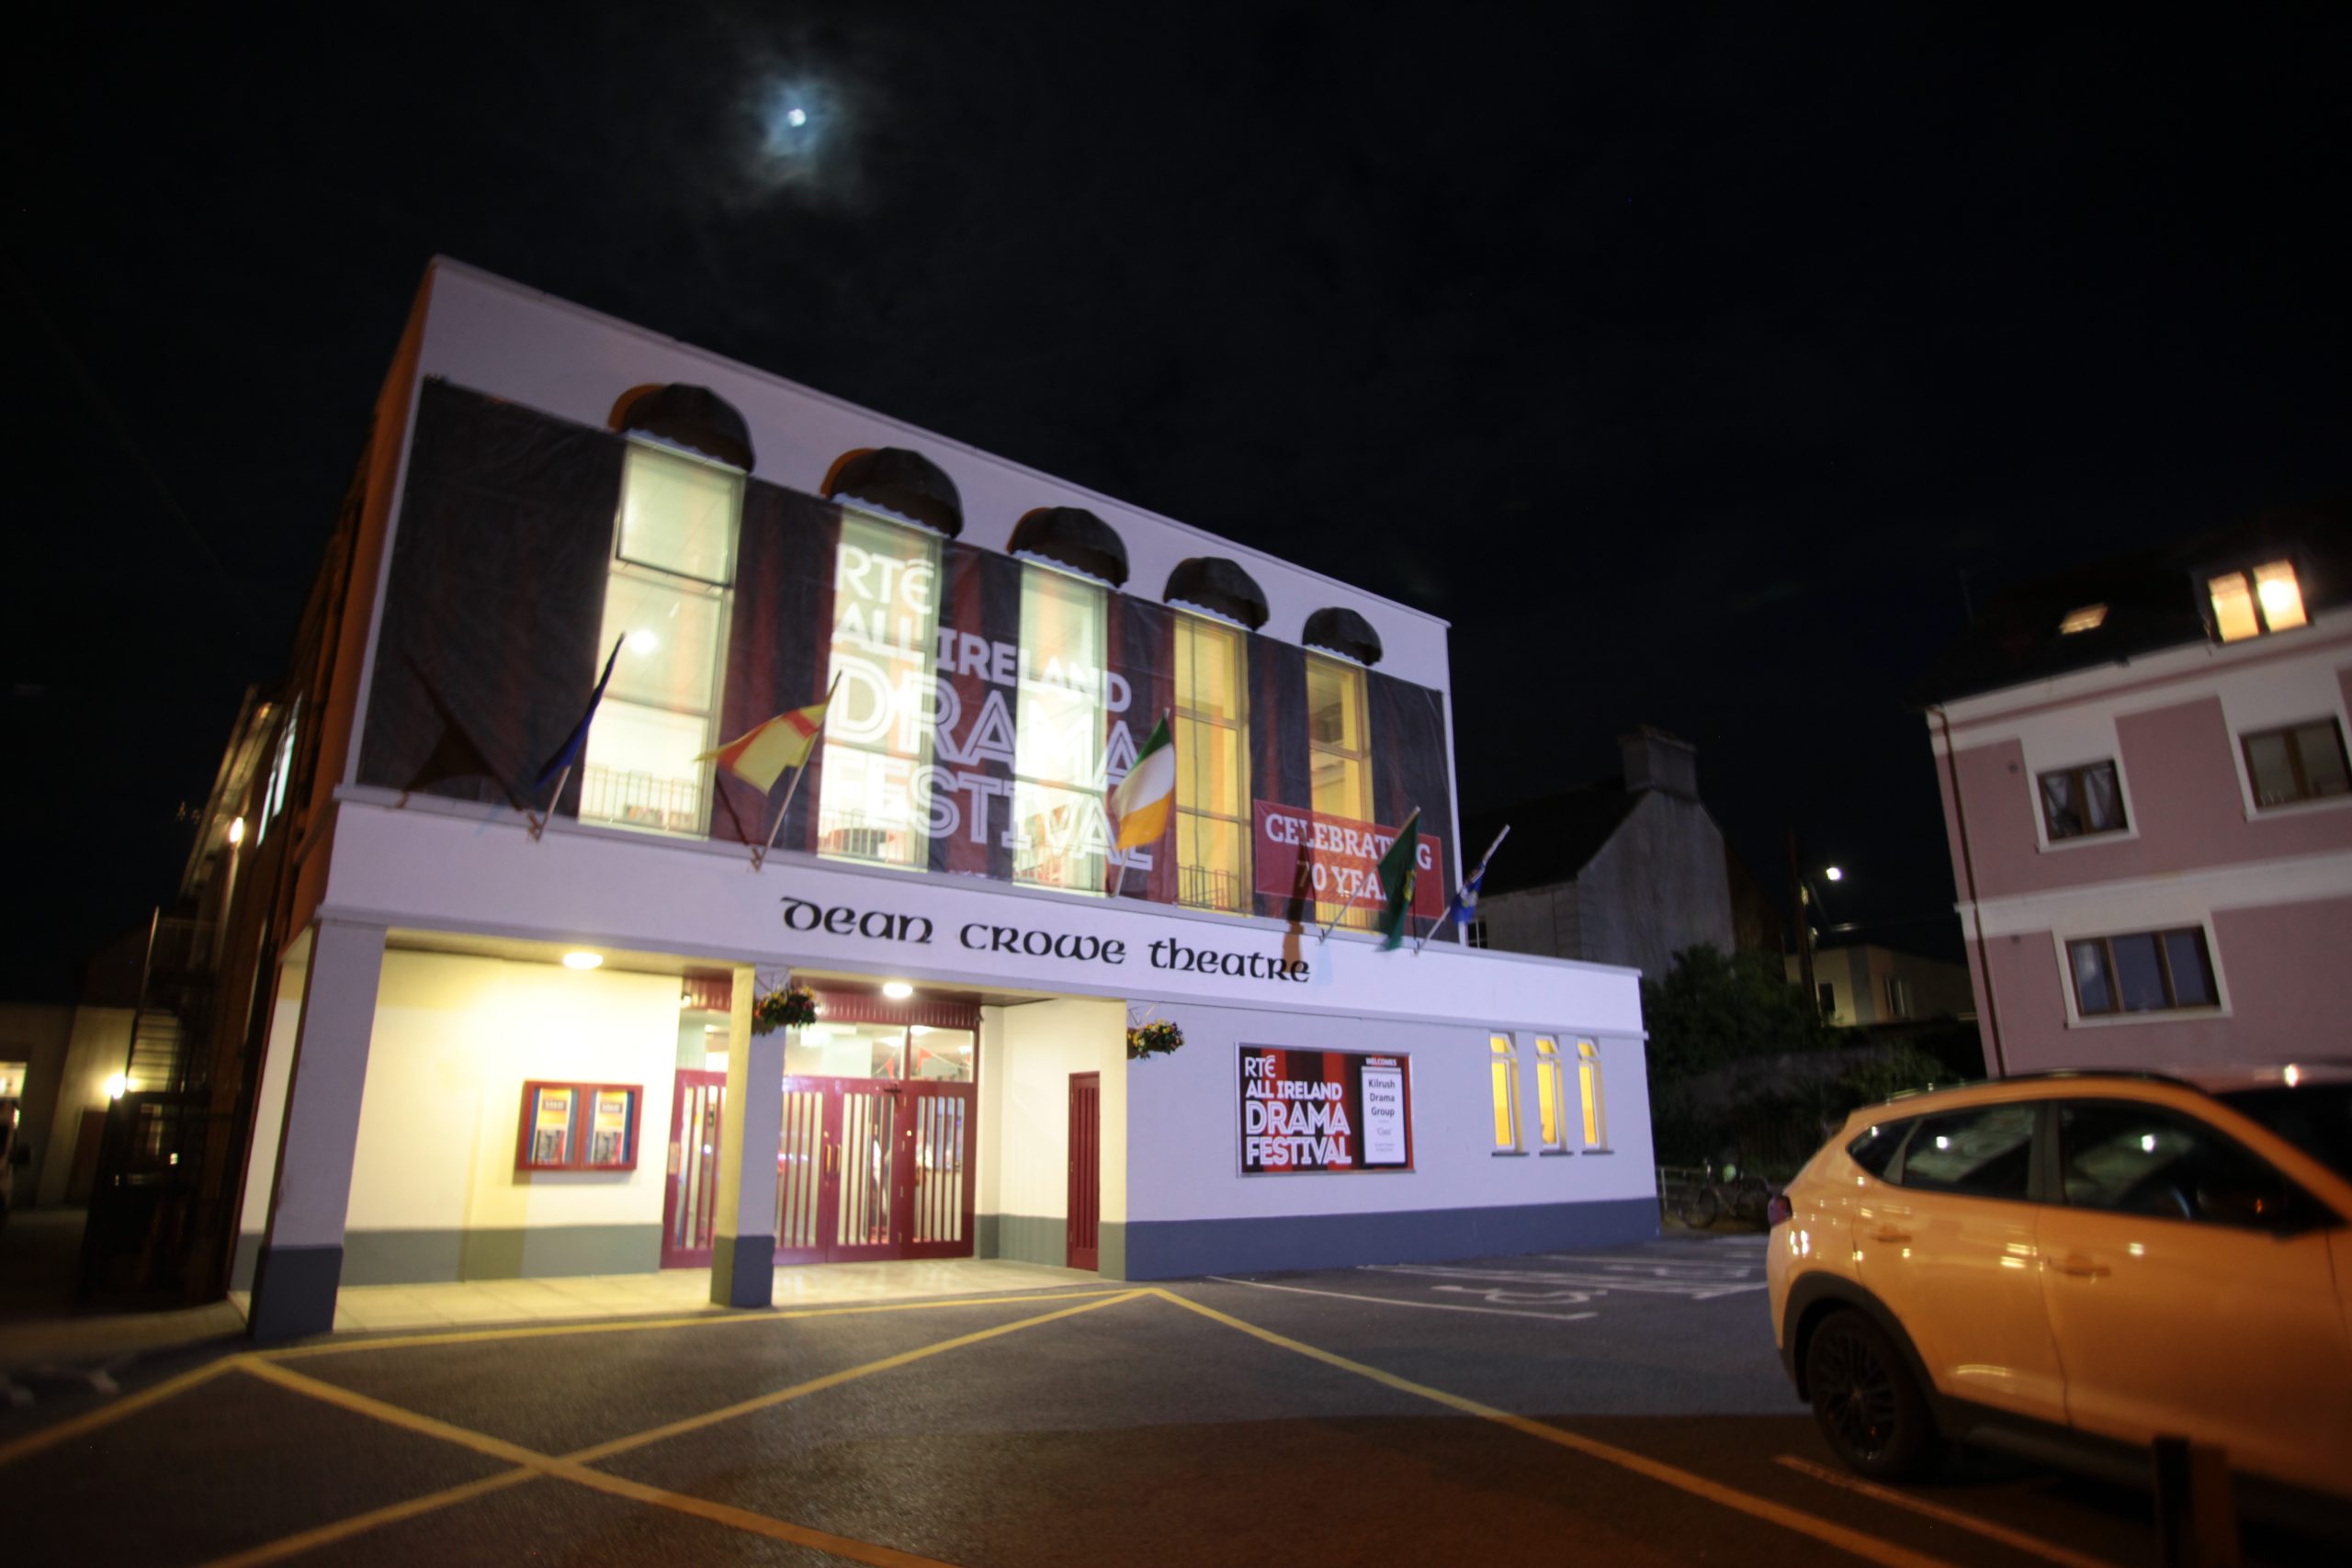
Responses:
[1324,1111]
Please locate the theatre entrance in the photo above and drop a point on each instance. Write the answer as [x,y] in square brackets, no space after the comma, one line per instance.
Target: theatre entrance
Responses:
[874,1153]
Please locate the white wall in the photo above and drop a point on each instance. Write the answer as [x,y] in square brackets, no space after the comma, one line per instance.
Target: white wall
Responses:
[456,1040]
[269,1104]
[1030,1051]
[1183,1137]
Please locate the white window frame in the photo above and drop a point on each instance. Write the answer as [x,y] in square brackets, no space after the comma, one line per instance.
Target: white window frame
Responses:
[2154,925]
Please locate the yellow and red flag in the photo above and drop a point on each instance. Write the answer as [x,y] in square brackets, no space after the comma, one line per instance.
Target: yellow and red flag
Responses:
[759,755]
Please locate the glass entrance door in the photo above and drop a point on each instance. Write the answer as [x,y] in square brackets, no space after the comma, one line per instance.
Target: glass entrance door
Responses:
[870,1168]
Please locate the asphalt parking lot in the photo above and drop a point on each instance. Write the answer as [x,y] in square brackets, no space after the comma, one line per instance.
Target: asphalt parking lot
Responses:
[1625,1403]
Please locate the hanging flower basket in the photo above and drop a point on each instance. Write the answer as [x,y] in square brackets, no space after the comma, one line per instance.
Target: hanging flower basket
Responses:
[787,1008]
[1154,1039]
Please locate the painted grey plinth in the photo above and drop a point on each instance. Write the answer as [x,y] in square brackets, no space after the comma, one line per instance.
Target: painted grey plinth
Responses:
[743,1271]
[1169,1249]
[294,1291]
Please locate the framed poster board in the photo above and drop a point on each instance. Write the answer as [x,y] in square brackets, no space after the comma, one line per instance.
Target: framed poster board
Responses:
[579,1126]
[1337,1111]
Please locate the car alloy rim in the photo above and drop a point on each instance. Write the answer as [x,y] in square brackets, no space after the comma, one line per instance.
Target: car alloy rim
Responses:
[1856,1395]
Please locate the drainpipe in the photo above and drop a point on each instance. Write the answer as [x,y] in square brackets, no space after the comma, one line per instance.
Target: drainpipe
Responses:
[1976,905]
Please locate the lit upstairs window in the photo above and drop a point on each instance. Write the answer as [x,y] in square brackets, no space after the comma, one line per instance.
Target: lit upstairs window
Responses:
[2089,618]
[2249,604]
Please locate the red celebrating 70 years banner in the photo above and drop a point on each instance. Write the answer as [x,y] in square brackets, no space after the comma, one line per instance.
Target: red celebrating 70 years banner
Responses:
[1306,854]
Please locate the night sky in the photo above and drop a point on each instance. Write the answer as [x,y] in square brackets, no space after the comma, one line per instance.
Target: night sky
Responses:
[1693,362]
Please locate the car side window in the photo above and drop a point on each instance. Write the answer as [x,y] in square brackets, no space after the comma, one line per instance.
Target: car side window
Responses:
[2130,1158]
[1874,1150]
[1984,1152]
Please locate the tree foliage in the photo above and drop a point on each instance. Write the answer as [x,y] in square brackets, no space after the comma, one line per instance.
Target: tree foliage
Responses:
[1712,1010]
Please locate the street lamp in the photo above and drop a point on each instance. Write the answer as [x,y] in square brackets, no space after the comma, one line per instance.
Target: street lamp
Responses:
[1802,897]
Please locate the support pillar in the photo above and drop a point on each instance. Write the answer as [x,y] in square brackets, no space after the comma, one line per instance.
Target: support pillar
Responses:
[300,1265]
[742,1251]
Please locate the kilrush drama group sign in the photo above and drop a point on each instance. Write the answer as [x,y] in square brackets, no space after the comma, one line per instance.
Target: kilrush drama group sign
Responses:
[1324,1111]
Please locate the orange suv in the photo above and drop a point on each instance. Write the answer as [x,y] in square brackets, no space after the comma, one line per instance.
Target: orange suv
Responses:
[2093,1259]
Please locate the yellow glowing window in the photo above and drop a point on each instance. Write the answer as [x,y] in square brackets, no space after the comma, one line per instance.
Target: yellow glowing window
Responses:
[1548,1096]
[2090,617]
[2248,603]
[1339,763]
[1596,1117]
[1212,767]
[1504,1065]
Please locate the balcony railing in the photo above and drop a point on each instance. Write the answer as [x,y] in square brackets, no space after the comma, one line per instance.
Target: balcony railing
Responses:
[640,800]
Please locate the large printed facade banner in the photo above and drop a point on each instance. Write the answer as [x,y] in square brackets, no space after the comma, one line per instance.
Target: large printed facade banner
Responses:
[1324,1111]
[1306,854]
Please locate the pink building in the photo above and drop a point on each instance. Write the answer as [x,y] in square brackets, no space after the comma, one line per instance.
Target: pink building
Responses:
[2146,792]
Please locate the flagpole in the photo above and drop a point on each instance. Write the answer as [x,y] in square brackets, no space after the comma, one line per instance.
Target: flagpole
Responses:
[1474,878]
[760,855]
[1325,934]
[539,822]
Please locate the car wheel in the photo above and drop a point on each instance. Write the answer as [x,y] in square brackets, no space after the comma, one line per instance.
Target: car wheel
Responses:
[1866,1400]
[1702,1210]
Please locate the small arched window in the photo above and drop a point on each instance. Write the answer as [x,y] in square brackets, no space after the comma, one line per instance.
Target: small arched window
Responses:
[1551,1099]
[1596,1115]
[1503,1064]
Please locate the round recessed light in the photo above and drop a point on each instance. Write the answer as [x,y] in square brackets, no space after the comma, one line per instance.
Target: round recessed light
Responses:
[582,960]
[898,990]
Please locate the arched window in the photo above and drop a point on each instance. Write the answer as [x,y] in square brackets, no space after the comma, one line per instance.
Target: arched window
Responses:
[1504,1065]
[1596,1116]
[1551,1099]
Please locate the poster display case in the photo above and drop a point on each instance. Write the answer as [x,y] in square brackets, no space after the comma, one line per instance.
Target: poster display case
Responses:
[578,1126]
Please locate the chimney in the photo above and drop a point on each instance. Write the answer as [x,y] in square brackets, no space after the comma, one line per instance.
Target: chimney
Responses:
[1655,759]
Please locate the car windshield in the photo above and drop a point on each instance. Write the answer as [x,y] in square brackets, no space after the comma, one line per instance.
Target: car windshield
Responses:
[2315,1118]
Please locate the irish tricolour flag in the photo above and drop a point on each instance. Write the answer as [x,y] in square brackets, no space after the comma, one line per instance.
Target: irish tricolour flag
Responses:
[1141,802]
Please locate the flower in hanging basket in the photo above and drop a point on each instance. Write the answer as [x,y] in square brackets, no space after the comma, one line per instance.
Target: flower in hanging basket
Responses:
[1154,1039]
[789,1009]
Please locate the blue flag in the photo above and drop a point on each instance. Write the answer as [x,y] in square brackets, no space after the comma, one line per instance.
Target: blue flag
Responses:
[1464,907]
[568,753]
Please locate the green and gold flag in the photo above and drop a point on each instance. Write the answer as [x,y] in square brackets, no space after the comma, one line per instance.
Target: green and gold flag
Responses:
[1397,869]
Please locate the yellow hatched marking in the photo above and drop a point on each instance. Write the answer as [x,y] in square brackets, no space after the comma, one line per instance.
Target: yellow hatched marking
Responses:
[1986,1528]
[700,1320]
[1866,1546]
[49,1437]
[573,1467]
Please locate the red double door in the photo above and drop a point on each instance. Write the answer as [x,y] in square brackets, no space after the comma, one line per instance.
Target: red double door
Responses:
[866,1169]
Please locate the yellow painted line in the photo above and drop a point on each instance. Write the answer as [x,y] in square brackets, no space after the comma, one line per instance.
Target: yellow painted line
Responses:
[573,1467]
[359,1524]
[714,1319]
[1986,1528]
[831,1379]
[1868,1547]
[570,1468]
[49,1436]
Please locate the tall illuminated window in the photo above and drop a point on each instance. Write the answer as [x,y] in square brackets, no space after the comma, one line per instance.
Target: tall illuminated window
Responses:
[878,730]
[1339,765]
[1503,1066]
[1057,741]
[1550,1099]
[1596,1115]
[1212,740]
[667,596]
[2247,603]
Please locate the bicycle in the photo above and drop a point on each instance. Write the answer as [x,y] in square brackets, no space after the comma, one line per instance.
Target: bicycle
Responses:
[1693,1195]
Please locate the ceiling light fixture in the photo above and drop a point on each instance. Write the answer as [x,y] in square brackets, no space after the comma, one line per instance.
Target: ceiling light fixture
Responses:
[582,960]
[897,990]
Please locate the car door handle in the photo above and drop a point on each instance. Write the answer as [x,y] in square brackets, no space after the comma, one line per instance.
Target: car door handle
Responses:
[1888,1233]
[2080,1267]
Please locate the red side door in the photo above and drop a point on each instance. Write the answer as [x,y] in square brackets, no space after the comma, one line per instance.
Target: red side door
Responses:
[1085,1208]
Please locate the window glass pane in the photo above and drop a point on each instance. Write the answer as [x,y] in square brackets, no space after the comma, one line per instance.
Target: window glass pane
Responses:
[2192,975]
[669,640]
[1059,723]
[2139,976]
[878,731]
[1208,668]
[2315,1118]
[2280,594]
[638,770]
[2092,993]
[679,514]
[1334,701]
[1874,1150]
[943,1054]
[1506,1091]
[1547,1093]
[2058,806]
[1209,862]
[2135,1159]
[2102,801]
[2234,608]
[2322,750]
[2272,767]
[1986,1151]
[1596,1118]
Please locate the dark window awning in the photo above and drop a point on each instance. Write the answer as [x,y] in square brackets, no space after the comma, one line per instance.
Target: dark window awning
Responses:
[1342,632]
[1220,587]
[902,483]
[1073,538]
[694,417]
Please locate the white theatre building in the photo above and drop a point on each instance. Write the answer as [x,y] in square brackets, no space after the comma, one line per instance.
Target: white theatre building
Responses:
[504,1047]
